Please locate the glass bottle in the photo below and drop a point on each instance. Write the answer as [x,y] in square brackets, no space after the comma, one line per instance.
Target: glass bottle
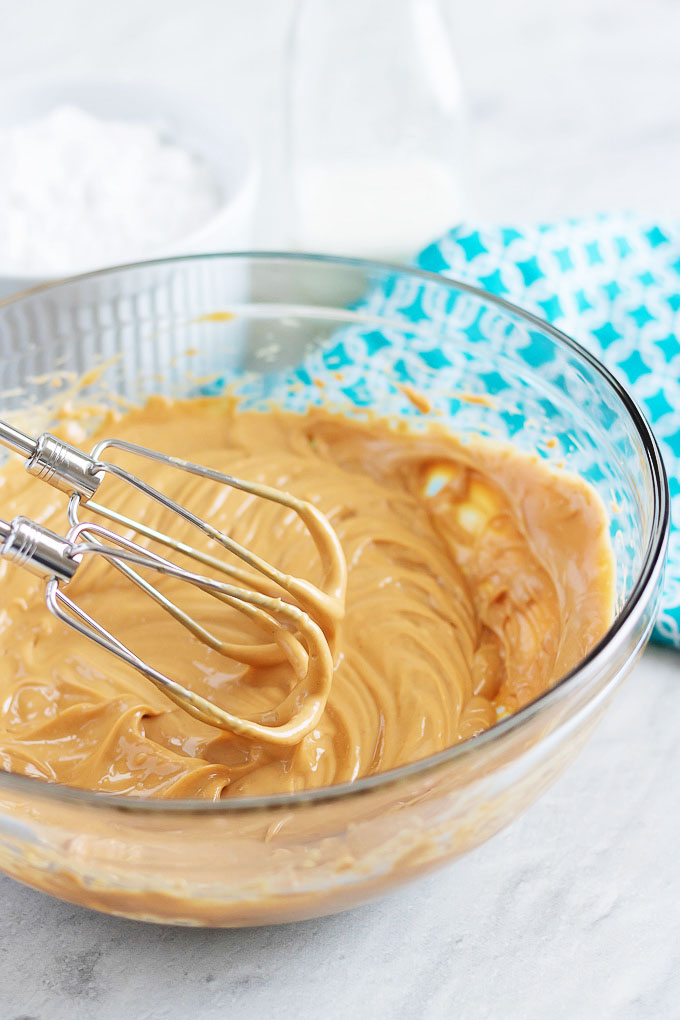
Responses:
[374,127]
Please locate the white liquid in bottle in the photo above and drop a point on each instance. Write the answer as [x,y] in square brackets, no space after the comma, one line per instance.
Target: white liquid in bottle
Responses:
[375,123]
[384,210]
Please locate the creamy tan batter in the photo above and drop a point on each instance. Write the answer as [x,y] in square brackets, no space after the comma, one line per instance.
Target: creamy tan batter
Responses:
[476,578]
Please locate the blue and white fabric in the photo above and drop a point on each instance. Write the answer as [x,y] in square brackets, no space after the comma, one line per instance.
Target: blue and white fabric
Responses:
[613,284]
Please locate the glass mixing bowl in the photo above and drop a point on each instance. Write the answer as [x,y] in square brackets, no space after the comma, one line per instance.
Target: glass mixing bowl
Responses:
[301,330]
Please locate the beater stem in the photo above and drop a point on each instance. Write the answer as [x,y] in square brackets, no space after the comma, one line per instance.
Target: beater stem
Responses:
[15,440]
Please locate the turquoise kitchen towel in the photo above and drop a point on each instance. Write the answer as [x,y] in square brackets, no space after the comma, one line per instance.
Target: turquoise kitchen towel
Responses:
[613,284]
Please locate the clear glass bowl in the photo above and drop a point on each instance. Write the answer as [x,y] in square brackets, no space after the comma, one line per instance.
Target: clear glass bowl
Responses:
[272,326]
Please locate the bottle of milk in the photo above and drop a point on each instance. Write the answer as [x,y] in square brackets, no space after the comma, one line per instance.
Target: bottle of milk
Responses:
[374,127]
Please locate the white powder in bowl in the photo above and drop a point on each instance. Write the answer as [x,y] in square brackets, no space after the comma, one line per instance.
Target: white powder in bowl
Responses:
[77,192]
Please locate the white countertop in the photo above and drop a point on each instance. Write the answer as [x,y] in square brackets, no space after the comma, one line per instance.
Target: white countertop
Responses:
[573,911]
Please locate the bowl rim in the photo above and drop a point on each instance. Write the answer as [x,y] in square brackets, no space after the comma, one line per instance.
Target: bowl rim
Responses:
[625,620]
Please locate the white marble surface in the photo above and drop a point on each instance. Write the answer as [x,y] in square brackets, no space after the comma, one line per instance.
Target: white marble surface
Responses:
[573,911]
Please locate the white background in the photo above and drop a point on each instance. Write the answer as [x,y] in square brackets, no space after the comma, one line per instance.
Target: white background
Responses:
[575,107]
[572,912]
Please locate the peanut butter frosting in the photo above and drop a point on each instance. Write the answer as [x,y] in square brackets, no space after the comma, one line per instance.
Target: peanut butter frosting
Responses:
[476,577]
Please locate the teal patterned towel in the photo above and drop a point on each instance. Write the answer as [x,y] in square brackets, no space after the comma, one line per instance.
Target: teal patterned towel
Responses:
[613,284]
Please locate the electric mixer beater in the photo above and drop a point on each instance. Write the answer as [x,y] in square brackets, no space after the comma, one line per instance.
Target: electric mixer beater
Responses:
[302,631]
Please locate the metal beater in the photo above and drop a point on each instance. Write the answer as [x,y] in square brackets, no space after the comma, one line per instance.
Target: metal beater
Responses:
[303,631]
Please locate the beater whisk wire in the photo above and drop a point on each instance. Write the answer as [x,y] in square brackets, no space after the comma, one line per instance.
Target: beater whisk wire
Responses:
[303,632]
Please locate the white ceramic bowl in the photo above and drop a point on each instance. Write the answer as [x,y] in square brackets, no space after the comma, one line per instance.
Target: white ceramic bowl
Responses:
[200,129]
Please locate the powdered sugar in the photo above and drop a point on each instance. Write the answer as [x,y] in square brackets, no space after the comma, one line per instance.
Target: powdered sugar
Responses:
[77,192]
